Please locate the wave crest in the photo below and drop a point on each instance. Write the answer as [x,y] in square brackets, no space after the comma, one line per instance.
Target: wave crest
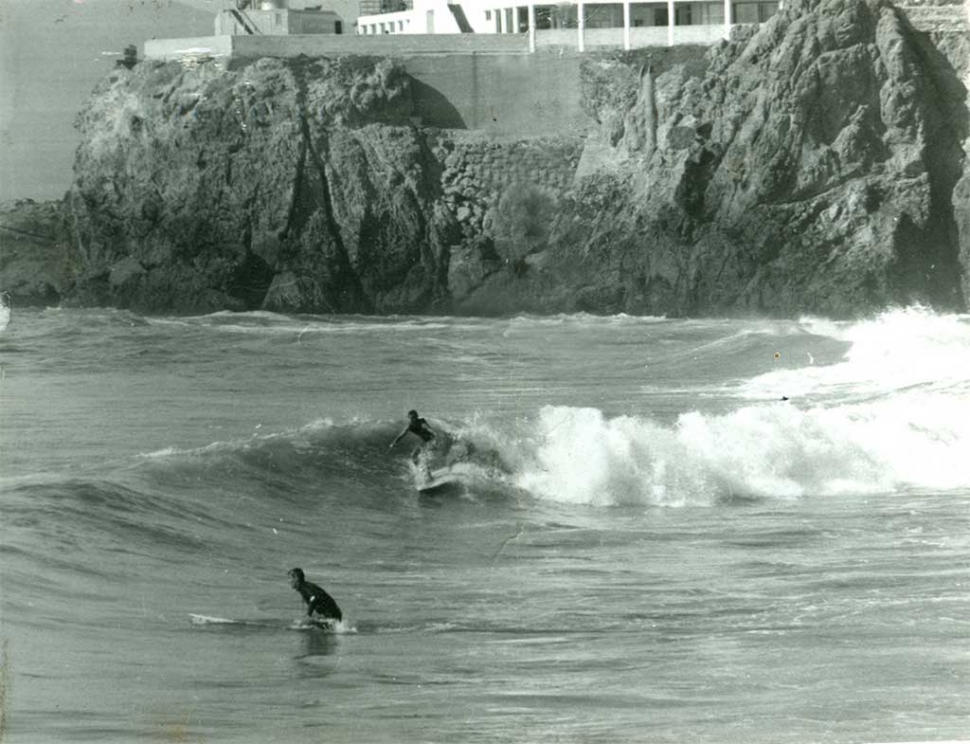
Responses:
[578,455]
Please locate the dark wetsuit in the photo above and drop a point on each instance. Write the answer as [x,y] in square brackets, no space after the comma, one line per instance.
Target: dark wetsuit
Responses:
[420,428]
[317,600]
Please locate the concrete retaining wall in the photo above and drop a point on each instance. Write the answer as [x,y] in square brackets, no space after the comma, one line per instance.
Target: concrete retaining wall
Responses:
[511,96]
[487,83]
[217,47]
[937,15]
[381,45]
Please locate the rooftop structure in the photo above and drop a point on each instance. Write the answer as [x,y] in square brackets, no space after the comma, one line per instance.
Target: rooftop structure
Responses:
[579,24]
[274,18]
[249,29]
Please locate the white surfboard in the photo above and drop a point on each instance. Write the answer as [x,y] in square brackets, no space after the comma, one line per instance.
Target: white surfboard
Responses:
[306,623]
[442,481]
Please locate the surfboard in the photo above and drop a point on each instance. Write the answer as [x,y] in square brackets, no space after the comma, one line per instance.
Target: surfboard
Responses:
[306,623]
[442,481]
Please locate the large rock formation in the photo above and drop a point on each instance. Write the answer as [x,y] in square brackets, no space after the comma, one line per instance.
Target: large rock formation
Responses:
[292,186]
[35,252]
[815,165]
[809,168]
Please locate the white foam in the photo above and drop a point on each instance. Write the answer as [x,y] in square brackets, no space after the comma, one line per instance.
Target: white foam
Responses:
[4,311]
[578,455]
[895,351]
[210,620]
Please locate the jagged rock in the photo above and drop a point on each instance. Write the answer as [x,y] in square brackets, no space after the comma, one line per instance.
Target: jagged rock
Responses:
[296,185]
[816,164]
[808,168]
[35,252]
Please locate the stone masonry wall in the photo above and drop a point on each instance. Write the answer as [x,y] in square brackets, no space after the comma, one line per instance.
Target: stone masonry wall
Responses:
[477,171]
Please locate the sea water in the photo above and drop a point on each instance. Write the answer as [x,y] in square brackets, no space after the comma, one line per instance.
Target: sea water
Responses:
[668,531]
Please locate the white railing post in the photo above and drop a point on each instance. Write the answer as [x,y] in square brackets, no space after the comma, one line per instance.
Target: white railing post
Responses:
[670,22]
[532,26]
[727,19]
[581,18]
[626,24]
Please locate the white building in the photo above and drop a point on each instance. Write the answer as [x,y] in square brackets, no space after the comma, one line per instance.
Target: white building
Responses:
[581,24]
[275,18]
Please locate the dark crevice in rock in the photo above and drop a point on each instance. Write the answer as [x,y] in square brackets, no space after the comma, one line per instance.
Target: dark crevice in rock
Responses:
[250,281]
[343,292]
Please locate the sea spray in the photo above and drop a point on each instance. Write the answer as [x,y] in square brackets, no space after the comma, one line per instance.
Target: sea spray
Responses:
[773,451]
[894,351]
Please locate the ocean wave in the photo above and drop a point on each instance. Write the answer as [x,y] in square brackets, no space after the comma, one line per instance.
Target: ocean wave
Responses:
[874,406]
[776,450]
[228,493]
[264,323]
[896,351]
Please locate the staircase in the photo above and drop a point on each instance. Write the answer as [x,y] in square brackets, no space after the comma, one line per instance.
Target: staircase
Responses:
[243,20]
[461,19]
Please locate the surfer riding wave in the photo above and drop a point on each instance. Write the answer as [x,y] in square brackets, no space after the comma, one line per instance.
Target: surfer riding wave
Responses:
[419,427]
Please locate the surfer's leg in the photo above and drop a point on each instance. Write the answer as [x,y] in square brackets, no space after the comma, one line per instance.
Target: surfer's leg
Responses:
[422,459]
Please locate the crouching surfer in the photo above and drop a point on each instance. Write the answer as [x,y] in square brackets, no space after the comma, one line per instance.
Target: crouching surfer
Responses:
[419,427]
[316,599]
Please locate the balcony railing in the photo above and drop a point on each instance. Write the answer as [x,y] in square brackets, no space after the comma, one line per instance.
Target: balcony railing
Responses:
[375,7]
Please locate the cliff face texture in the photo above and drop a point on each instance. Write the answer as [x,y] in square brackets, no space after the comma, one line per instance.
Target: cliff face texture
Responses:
[815,166]
[292,187]
[35,252]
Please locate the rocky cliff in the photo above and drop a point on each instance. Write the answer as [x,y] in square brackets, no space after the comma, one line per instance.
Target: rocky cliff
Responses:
[35,252]
[816,165]
[295,186]
[812,167]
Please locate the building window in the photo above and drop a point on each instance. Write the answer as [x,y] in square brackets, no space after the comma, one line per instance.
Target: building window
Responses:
[488,15]
[278,19]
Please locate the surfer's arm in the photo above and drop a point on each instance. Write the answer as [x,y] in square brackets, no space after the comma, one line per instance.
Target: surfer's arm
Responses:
[398,438]
[311,597]
[324,605]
